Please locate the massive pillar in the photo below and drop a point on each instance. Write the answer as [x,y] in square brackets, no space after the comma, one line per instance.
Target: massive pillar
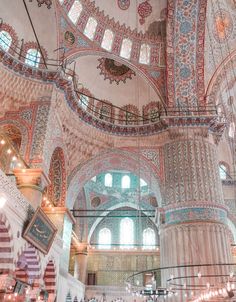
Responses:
[194,229]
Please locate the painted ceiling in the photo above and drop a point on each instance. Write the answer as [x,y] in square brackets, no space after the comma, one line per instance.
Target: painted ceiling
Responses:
[136,14]
[110,80]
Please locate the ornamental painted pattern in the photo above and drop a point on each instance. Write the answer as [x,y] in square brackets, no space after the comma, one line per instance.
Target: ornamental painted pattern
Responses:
[193,214]
[185,52]
[114,71]
[39,132]
[57,176]
[123,4]
[191,173]
[223,26]
[144,11]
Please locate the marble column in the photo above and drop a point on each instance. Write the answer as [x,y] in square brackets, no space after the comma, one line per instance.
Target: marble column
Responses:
[194,229]
[81,262]
[31,183]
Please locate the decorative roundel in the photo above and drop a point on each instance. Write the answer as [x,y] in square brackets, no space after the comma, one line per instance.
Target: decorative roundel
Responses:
[96,201]
[123,4]
[69,37]
[223,25]
[144,10]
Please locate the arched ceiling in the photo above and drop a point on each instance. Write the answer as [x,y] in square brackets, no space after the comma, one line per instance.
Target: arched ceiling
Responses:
[220,34]
[113,81]
[138,14]
[13,12]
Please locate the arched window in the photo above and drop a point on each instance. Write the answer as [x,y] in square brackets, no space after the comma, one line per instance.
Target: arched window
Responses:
[126,47]
[108,180]
[90,28]
[107,39]
[144,56]
[125,182]
[142,183]
[32,57]
[5,40]
[231,129]
[223,171]
[84,101]
[104,239]
[149,240]
[75,11]
[126,233]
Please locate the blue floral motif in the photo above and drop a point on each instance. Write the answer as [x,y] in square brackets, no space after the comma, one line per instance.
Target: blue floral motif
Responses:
[81,42]
[185,72]
[155,74]
[185,27]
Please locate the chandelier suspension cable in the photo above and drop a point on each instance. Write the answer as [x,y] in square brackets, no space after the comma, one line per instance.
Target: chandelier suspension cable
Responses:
[35,35]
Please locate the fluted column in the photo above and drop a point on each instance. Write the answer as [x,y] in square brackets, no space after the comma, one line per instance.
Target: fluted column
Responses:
[31,183]
[195,229]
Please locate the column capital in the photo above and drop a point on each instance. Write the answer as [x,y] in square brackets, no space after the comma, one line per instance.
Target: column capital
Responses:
[59,211]
[31,178]
[31,183]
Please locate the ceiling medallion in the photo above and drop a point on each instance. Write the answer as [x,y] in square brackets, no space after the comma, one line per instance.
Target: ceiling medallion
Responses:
[47,2]
[223,26]
[114,71]
[69,37]
[123,4]
[144,10]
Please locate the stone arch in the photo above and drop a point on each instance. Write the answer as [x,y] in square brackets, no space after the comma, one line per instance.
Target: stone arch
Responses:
[141,72]
[28,265]
[50,279]
[57,175]
[6,246]
[114,207]
[225,72]
[9,124]
[115,160]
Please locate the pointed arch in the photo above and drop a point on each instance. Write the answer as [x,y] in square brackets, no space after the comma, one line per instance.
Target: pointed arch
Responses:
[6,246]
[50,279]
[116,159]
[28,265]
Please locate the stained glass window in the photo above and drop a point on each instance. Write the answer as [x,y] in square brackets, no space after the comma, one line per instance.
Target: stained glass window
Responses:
[75,11]
[231,129]
[142,183]
[107,39]
[223,171]
[125,182]
[32,57]
[149,240]
[104,238]
[5,40]
[126,233]
[90,28]
[108,180]
[126,47]
[144,56]
[84,101]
